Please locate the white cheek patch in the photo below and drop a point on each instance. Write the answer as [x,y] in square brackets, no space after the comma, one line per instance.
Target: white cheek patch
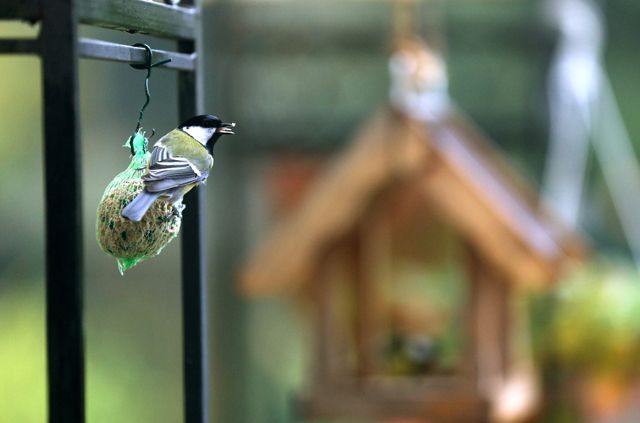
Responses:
[199,133]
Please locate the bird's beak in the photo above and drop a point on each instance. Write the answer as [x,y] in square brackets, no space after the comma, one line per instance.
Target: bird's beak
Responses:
[226,128]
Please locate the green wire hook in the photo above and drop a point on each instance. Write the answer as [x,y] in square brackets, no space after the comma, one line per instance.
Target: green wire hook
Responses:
[148,65]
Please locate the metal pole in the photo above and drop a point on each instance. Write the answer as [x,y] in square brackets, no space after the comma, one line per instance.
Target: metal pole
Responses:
[64,262]
[194,286]
[194,280]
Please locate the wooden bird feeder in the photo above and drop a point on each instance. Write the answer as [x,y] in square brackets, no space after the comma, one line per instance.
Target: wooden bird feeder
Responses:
[338,236]
[404,174]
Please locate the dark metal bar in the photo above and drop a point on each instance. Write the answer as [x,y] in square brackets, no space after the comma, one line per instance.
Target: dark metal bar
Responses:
[19,46]
[64,262]
[194,280]
[28,10]
[97,49]
[140,16]
[194,311]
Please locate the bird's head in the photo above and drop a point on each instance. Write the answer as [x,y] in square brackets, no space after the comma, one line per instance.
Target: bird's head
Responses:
[206,129]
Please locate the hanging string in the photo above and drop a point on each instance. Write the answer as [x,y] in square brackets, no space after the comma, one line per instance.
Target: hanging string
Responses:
[421,19]
[403,20]
[418,85]
[148,65]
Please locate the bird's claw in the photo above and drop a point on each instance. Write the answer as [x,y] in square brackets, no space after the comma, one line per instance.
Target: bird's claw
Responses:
[177,210]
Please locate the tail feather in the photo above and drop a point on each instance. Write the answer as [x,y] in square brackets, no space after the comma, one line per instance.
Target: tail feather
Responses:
[137,208]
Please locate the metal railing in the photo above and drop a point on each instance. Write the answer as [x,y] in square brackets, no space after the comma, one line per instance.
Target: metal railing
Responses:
[60,48]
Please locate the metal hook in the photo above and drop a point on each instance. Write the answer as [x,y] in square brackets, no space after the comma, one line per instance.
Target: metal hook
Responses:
[148,65]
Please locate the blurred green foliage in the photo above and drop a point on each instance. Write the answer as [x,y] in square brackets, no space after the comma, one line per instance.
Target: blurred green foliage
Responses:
[22,358]
[586,336]
[596,326]
[121,384]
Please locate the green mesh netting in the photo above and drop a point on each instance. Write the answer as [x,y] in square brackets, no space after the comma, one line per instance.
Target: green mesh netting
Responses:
[131,242]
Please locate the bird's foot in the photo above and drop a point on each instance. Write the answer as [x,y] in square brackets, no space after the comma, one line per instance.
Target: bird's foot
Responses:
[177,209]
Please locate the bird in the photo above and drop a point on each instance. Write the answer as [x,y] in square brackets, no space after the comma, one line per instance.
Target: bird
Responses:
[180,160]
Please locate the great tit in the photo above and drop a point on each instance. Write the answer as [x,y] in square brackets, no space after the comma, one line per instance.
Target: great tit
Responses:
[179,161]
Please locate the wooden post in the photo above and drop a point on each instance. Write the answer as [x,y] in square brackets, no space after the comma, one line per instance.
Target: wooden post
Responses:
[363,298]
[328,358]
[487,324]
[371,262]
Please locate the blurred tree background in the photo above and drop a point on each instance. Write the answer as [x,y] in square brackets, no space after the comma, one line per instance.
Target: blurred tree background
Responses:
[298,77]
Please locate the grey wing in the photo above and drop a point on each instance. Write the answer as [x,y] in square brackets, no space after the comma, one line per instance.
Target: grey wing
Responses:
[167,172]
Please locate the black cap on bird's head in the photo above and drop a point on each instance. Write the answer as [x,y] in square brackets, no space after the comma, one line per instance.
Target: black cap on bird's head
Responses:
[207,129]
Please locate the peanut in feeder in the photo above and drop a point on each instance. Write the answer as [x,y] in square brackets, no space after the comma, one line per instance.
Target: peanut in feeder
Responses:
[131,242]
[128,241]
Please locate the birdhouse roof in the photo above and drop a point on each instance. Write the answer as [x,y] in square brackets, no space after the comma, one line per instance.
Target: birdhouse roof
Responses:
[458,172]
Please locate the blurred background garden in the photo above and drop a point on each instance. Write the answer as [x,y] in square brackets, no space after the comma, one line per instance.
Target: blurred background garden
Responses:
[301,78]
